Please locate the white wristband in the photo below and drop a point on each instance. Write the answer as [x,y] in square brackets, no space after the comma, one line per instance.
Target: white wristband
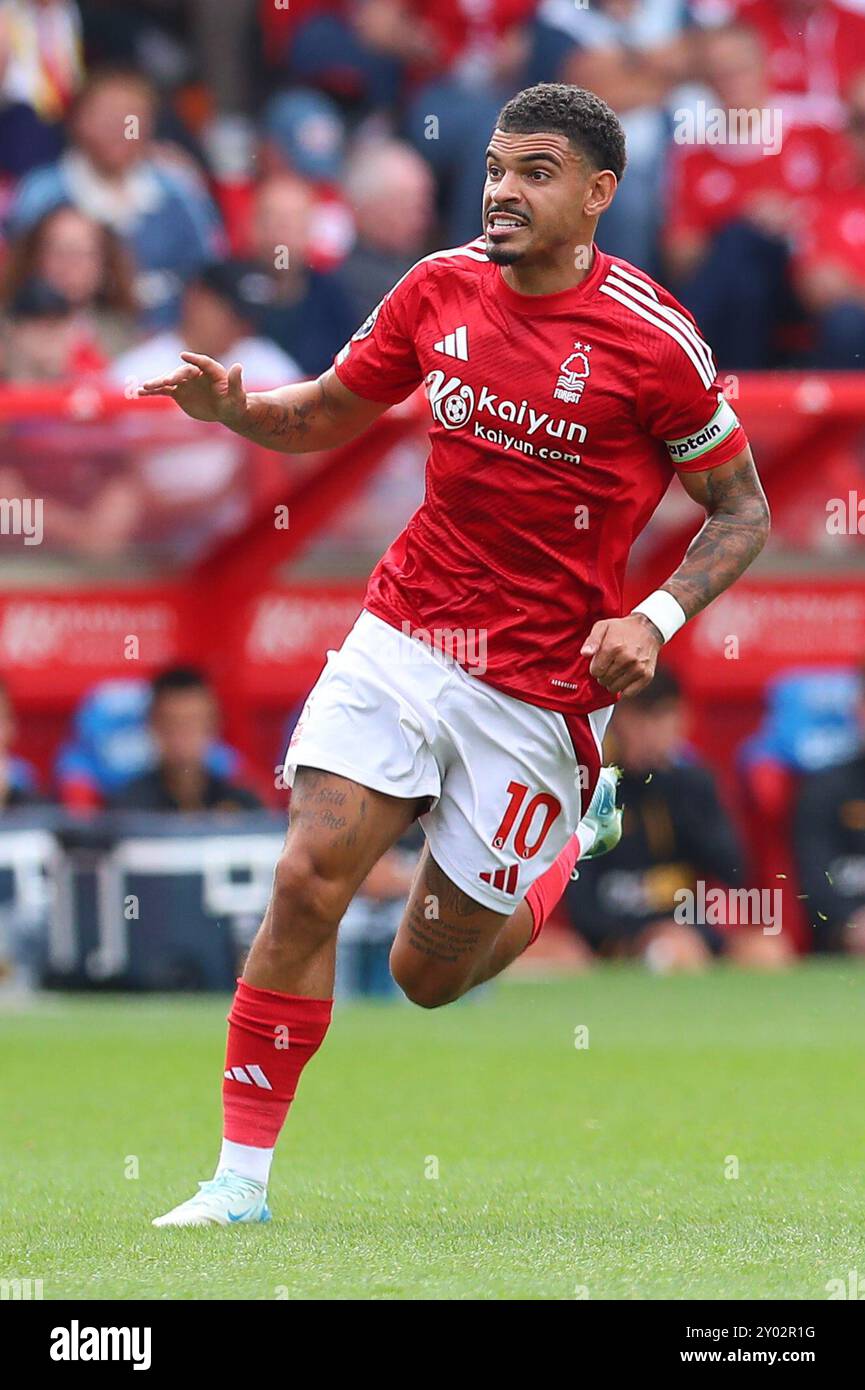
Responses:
[664,611]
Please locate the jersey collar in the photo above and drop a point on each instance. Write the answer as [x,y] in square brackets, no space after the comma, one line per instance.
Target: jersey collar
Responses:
[534,304]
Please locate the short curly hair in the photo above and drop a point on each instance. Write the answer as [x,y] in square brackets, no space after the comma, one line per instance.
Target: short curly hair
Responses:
[592,126]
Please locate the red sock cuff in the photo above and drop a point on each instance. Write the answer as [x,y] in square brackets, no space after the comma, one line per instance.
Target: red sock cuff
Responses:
[547,890]
[271,1005]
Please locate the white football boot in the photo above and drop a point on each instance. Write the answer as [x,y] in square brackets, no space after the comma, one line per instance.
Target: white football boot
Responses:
[225,1200]
[600,830]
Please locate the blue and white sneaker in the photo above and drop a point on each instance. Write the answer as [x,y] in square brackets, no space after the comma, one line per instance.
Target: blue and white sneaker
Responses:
[225,1200]
[600,829]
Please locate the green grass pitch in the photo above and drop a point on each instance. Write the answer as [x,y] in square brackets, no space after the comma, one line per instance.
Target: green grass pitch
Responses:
[563,1172]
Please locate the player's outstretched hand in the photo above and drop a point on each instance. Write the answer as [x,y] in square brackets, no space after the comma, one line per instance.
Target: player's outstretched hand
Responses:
[624,653]
[203,388]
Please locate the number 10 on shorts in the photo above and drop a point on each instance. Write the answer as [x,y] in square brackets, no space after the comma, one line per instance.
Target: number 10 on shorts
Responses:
[521,819]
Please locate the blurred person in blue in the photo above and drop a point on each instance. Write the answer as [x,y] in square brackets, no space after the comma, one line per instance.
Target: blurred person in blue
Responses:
[307,312]
[392,195]
[112,745]
[113,172]
[184,722]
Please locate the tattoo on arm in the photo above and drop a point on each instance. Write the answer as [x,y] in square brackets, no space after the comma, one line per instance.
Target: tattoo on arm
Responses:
[287,425]
[732,537]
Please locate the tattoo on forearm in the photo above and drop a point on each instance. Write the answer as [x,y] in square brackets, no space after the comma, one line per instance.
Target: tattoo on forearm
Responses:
[287,424]
[731,539]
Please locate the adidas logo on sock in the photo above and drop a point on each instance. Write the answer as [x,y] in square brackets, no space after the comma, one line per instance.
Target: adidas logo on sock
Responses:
[250,1075]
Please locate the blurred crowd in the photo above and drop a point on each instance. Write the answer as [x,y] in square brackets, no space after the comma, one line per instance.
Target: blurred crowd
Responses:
[248,178]
[681,889]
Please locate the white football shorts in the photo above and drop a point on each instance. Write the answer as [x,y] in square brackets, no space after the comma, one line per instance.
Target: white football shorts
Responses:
[508,781]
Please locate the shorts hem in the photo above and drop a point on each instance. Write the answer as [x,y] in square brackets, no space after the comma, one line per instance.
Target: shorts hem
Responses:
[478,891]
[326,762]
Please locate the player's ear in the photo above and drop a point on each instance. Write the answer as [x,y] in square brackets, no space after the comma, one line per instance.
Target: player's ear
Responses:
[600,192]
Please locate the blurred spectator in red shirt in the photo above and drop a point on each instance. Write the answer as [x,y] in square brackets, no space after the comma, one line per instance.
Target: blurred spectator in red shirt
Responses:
[86,263]
[392,195]
[737,206]
[814,49]
[302,134]
[473,41]
[363,51]
[40,71]
[830,266]
[715,183]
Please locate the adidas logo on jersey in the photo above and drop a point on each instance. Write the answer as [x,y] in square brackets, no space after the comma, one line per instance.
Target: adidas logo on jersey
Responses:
[250,1075]
[455,344]
[506,879]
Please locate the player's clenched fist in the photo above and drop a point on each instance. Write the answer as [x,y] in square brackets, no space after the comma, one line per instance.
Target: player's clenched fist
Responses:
[624,653]
[204,389]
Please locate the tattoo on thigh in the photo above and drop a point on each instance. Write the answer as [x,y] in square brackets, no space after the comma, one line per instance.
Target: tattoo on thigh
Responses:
[452,900]
[440,934]
[446,941]
[319,804]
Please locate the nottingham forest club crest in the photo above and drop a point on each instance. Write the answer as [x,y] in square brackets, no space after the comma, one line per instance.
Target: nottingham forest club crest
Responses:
[573,374]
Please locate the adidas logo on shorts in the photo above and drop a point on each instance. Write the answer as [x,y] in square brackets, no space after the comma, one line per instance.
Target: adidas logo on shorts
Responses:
[506,879]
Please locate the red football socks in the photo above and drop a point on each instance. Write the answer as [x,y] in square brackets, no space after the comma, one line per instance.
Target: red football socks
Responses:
[546,891]
[271,1037]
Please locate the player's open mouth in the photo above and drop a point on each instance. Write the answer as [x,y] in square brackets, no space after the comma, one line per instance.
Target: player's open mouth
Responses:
[501,224]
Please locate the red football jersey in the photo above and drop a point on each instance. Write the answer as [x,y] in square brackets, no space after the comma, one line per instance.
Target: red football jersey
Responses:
[556,424]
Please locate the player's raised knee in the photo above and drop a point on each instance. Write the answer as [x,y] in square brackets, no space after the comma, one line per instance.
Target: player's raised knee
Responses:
[427,989]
